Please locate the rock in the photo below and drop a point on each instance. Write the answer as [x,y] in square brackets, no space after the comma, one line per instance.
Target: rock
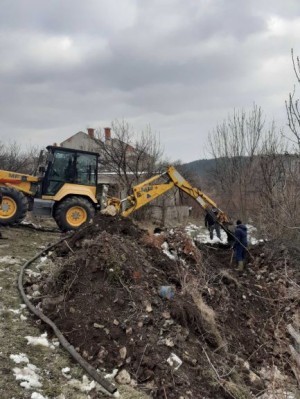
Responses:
[129,331]
[109,210]
[116,323]
[48,303]
[96,325]
[169,342]
[148,307]
[72,310]
[133,383]
[166,315]
[36,294]
[174,361]
[123,377]
[123,352]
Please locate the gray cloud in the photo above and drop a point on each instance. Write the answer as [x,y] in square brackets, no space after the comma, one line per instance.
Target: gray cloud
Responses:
[179,66]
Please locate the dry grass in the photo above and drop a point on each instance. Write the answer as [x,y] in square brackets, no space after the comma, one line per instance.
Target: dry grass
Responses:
[208,318]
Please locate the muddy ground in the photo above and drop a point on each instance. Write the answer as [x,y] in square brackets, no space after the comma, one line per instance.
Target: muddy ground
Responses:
[103,288]
[228,329]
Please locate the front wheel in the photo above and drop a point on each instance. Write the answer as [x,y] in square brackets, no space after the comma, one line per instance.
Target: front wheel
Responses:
[14,206]
[73,212]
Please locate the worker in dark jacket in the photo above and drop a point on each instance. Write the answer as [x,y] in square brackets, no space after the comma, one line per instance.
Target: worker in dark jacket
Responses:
[212,224]
[240,244]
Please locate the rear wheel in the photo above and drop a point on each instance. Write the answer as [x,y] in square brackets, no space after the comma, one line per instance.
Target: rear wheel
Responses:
[73,212]
[14,206]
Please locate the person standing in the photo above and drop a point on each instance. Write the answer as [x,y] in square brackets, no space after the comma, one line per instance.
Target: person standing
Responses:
[212,224]
[240,244]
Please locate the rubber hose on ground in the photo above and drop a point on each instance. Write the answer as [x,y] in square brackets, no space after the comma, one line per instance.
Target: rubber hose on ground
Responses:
[65,344]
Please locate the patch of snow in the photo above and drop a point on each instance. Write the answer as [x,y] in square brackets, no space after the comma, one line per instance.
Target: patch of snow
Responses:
[31,273]
[165,248]
[65,372]
[20,358]
[9,260]
[84,386]
[28,375]
[22,317]
[15,311]
[36,395]
[23,306]
[201,234]
[36,226]
[112,374]
[42,341]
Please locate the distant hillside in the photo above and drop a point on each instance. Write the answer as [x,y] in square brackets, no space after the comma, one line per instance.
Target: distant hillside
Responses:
[200,167]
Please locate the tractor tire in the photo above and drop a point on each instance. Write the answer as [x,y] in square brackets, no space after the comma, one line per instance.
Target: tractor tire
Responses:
[73,212]
[14,206]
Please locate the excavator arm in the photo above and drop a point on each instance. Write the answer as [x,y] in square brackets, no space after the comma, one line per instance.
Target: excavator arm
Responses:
[152,188]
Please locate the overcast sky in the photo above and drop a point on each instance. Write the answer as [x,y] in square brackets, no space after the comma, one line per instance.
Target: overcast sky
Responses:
[180,66]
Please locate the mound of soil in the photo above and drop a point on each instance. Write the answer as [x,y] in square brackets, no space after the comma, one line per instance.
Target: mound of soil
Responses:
[123,303]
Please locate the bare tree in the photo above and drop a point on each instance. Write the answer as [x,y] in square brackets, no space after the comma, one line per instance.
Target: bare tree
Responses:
[234,144]
[129,156]
[292,105]
[17,159]
[256,174]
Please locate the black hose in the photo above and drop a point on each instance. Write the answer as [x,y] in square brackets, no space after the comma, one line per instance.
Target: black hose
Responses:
[65,344]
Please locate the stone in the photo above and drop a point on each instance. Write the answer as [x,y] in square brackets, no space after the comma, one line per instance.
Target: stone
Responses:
[96,325]
[123,377]
[129,331]
[123,352]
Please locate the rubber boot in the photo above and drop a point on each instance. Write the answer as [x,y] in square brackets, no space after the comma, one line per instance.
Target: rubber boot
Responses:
[240,267]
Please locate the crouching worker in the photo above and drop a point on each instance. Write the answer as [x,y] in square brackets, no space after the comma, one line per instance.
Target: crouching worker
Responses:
[240,245]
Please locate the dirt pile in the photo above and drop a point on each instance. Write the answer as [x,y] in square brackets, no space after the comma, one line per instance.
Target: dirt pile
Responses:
[174,319]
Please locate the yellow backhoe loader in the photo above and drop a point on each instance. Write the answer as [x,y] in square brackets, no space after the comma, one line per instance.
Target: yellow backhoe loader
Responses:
[67,190]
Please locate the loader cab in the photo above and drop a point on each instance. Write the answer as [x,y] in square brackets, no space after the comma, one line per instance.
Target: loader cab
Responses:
[66,165]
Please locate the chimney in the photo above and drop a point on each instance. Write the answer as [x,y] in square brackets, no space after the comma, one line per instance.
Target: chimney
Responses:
[91,132]
[107,133]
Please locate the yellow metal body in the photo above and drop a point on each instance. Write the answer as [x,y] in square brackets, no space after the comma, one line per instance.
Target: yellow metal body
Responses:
[142,194]
[147,191]
[75,216]
[73,189]
[20,181]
